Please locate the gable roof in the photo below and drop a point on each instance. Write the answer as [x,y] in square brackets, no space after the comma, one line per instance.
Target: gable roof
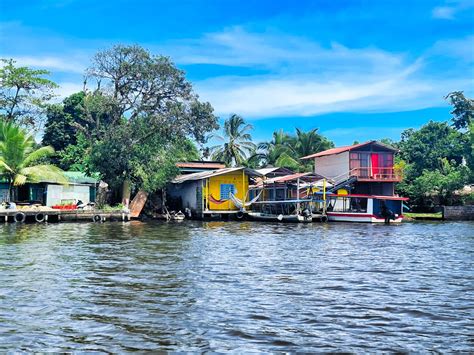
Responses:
[269,170]
[201,164]
[207,174]
[347,148]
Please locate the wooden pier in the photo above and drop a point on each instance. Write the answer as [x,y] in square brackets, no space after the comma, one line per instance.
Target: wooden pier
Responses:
[41,216]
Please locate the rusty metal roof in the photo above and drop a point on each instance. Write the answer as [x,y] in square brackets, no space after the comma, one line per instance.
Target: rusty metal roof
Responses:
[347,148]
[201,164]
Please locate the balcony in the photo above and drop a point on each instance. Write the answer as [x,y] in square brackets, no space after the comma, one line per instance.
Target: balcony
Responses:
[376,174]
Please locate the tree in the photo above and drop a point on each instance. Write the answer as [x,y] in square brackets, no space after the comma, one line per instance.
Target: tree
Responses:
[19,158]
[148,166]
[463,109]
[438,185]
[24,94]
[285,150]
[237,142]
[141,100]
[424,148]
[431,157]
[60,129]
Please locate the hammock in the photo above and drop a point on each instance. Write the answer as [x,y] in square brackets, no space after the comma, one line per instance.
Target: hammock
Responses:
[217,202]
[238,203]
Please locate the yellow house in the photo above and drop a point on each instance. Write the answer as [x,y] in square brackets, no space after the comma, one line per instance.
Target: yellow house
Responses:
[209,192]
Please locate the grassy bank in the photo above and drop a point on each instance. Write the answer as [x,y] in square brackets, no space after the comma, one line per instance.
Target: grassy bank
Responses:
[438,215]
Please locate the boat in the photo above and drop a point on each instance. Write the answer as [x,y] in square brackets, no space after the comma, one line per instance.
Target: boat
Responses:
[365,208]
[177,216]
[297,211]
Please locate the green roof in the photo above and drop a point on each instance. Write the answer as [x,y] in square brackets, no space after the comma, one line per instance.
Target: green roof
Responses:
[76,177]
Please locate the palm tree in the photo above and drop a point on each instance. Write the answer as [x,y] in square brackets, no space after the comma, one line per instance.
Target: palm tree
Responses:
[18,158]
[267,153]
[310,142]
[284,150]
[237,142]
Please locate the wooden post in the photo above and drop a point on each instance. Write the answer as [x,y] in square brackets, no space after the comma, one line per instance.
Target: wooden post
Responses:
[324,196]
[243,189]
[298,195]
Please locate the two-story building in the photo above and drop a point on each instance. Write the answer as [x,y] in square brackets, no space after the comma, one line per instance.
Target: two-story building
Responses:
[364,180]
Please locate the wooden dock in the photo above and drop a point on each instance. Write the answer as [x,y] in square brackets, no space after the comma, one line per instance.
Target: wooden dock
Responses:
[40,216]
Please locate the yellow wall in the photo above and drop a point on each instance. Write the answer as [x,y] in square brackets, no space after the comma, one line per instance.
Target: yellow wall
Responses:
[241,183]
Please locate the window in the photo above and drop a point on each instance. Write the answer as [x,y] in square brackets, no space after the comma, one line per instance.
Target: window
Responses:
[226,189]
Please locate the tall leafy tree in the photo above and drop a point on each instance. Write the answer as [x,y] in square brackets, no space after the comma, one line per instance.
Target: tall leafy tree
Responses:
[424,148]
[237,142]
[463,109]
[141,100]
[24,94]
[20,160]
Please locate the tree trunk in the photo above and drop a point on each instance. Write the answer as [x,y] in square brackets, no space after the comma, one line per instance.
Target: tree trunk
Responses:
[10,183]
[126,192]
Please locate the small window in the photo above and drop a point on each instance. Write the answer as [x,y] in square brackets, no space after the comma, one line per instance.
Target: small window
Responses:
[226,189]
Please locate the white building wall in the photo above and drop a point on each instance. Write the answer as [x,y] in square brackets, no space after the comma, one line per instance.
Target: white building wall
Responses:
[333,166]
[56,193]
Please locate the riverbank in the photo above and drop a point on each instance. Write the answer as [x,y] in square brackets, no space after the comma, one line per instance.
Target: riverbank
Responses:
[424,216]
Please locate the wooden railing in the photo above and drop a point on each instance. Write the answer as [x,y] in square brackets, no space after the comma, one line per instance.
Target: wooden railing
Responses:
[380,174]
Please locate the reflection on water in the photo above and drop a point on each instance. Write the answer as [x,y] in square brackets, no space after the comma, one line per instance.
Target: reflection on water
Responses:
[220,286]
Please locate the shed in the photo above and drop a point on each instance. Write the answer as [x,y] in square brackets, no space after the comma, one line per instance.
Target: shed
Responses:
[208,192]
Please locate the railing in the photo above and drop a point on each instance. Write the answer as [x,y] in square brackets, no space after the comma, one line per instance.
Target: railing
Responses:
[374,173]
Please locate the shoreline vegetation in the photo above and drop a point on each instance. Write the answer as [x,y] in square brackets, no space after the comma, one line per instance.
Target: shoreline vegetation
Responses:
[138,116]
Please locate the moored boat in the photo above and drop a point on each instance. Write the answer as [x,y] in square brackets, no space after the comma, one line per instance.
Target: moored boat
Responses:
[298,211]
[365,208]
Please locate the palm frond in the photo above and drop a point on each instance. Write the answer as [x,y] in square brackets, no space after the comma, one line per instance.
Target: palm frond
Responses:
[19,180]
[45,172]
[38,154]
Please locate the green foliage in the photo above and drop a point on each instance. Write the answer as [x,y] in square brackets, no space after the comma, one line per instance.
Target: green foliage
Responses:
[19,157]
[139,118]
[437,186]
[423,149]
[463,109]
[237,142]
[117,156]
[24,94]
[76,157]
[285,150]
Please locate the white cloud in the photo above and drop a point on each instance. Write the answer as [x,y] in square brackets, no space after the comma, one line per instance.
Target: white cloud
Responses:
[305,79]
[67,88]
[59,64]
[444,12]
[461,48]
[237,47]
[451,8]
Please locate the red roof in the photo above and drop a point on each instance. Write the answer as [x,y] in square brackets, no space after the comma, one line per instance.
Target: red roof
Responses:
[203,164]
[346,148]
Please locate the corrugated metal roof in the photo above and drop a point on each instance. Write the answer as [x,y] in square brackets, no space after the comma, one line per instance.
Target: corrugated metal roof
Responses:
[347,148]
[266,171]
[207,174]
[76,177]
[293,177]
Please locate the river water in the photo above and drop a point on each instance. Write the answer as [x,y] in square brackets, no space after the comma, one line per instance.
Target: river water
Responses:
[224,286]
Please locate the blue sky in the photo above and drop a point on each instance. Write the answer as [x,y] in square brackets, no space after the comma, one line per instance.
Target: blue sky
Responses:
[357,70]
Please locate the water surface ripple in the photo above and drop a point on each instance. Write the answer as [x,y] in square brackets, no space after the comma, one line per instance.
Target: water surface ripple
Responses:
[216,286]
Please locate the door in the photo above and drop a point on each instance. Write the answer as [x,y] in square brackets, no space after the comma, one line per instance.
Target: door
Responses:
[375,164]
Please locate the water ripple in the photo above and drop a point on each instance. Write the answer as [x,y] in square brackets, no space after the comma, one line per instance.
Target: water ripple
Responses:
[214,286]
